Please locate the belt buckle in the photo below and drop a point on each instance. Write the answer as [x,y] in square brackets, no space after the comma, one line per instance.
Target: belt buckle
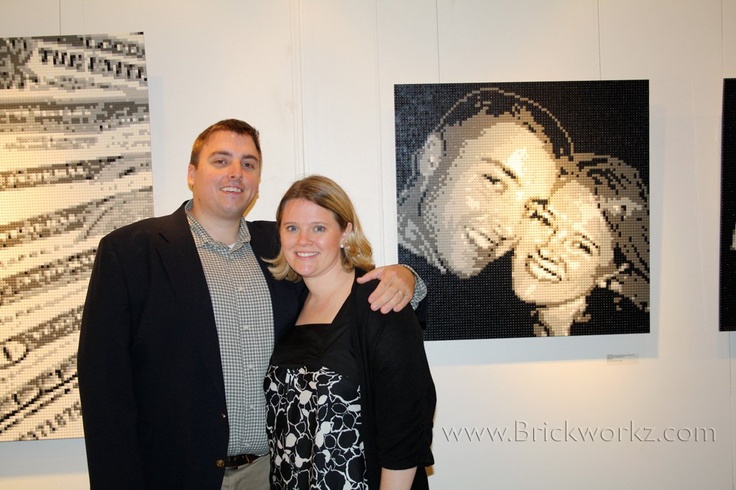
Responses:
[234,462]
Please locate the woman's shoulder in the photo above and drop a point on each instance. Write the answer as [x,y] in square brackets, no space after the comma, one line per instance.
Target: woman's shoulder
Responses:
[363,291]
[390,326]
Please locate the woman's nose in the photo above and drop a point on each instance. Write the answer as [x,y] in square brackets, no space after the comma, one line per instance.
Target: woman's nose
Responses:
[542,230]
[304,238]
[550,248]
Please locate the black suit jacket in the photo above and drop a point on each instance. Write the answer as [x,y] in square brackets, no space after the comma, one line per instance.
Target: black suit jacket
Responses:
[150,376]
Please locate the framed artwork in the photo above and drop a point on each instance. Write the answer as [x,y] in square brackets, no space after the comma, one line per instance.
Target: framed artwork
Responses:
[727,298]
[525,206]
[75,163]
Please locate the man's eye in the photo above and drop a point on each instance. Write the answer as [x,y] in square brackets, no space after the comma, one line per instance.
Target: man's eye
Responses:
[319,228]
[497,184]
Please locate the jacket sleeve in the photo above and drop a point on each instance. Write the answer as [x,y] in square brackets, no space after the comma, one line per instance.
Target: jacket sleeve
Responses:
[109,412]
[403,392]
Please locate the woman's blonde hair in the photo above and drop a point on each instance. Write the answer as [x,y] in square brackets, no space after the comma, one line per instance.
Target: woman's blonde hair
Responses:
[324,192]
[623,198]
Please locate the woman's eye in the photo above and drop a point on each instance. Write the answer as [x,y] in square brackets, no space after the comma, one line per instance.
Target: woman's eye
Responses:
[540,213]
[319,228]
[583,246]
[545,218]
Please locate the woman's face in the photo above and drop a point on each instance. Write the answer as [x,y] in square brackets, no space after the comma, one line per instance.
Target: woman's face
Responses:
[566,248]
[474,206]
[310,238]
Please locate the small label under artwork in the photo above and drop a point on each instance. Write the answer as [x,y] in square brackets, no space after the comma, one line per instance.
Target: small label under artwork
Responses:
[622,358]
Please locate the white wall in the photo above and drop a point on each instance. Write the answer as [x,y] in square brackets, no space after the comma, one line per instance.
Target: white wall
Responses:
[316,77]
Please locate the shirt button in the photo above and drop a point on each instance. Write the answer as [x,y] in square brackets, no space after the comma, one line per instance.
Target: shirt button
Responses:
[246,327]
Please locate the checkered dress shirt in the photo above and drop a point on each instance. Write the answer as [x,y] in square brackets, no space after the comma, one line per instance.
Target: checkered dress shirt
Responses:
[244,318]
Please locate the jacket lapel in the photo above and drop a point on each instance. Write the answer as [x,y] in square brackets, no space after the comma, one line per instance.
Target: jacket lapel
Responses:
[181,262]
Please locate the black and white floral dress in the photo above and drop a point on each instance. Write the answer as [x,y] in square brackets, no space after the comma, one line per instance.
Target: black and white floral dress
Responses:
[314,411]
[347,399]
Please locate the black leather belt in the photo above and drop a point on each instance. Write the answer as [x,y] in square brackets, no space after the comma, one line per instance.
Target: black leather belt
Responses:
[240,460]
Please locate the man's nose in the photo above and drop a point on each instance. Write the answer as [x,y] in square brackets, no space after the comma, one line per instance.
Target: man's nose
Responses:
[235,170]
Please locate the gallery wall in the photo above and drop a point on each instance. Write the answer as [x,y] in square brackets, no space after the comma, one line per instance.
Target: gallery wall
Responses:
[316,77]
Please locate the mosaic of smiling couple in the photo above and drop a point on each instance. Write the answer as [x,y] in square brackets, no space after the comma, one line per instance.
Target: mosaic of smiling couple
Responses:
[524,206]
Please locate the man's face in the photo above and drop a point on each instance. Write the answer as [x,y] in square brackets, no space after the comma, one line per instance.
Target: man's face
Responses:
[566,248]
[473,207]
[225,181]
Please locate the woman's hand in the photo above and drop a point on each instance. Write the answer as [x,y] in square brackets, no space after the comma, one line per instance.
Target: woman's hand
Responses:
[397,479]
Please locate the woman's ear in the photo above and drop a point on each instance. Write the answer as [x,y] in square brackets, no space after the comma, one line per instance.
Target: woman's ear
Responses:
[345,234]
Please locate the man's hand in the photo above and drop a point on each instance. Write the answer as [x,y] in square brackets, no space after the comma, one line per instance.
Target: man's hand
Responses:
[394,291]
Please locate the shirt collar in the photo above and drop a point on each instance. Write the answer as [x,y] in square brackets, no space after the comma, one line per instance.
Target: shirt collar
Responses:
[201,235]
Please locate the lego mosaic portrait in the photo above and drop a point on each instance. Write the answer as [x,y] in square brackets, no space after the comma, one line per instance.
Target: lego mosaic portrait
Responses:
[727,299]
[525,206]
[75,163]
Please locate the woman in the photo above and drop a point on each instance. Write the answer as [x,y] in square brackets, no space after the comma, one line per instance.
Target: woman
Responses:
[349,393]
[583,260]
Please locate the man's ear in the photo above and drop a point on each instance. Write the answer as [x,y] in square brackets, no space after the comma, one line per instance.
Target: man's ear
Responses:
[191,173]
[428,158]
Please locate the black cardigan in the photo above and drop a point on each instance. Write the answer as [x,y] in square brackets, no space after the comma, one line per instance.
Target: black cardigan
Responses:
[398,395]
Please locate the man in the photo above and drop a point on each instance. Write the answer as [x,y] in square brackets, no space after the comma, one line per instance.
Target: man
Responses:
[178,327]
[491,155]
